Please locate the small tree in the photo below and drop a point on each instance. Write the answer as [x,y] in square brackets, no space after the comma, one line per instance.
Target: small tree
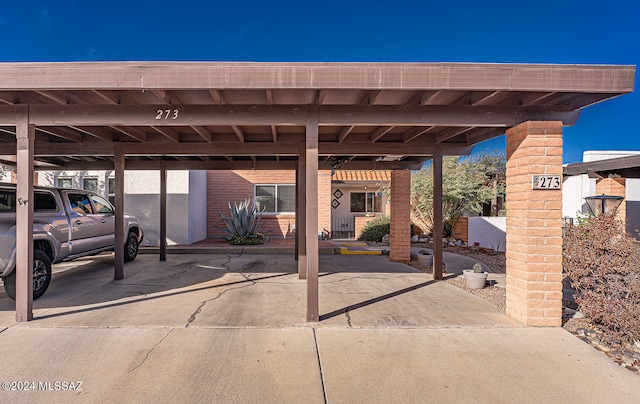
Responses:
[603,263]
[467,184]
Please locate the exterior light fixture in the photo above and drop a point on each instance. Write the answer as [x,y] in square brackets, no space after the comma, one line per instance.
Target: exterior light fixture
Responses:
[599,204]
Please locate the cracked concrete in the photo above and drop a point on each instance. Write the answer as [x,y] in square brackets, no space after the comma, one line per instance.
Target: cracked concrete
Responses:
[386,329]
[146,356]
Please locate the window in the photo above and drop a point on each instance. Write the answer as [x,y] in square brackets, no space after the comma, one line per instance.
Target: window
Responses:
[7,200]
[43,201]
[277,198]
[366,202]
[101,205]
[65,182]
[80,203]
[111,190]
[90,184]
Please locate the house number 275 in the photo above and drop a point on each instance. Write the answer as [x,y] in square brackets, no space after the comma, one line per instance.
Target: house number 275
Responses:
[167,113]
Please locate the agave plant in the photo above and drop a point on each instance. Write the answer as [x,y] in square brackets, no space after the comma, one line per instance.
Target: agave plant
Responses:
[244,220]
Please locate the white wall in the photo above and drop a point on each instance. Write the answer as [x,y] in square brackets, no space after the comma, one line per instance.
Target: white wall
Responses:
[490,232]
[576,188]
[186,201]
[344,209]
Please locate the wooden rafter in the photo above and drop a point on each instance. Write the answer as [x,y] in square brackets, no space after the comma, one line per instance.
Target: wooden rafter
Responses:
[416,132]
[95,132]
[450,134]
[217,96]
[374,96]
[57,98]
[162,95]
[239,133]
[134,133]
[64,134]
[7,99]
[345,132]
[203,132]
[428,96]
[168,133]
[109,98]
[380,132]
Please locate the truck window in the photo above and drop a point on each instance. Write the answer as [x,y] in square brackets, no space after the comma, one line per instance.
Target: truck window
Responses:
[80,203]
[44,201]
[100,205]
[7,200]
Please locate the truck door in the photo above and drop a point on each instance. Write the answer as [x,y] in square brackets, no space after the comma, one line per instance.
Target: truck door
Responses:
[86,226]
[104,215]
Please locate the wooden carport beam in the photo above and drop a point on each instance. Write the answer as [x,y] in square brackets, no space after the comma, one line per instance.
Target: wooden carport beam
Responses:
[418,147]
[25,134]
[286,115]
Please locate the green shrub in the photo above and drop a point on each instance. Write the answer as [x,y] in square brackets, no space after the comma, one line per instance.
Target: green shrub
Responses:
[376,228]
[247,240]
[602,262]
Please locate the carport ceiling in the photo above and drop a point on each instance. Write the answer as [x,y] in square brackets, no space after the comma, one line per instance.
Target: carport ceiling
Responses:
[253,115]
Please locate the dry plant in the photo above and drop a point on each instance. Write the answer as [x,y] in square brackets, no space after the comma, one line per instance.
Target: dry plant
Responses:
[603,263]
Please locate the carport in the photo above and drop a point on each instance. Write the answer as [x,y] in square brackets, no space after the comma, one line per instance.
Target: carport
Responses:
[306,117]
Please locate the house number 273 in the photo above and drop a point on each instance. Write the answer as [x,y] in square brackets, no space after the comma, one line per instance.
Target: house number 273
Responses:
[167,113]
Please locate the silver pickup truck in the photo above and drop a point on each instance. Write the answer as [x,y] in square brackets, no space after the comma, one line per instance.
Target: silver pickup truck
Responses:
[67,224]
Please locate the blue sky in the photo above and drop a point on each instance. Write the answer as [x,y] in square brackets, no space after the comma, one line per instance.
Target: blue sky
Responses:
[541,31]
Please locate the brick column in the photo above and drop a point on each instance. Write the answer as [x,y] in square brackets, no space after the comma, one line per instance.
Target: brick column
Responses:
[324,200]
[617,187]
[534,225]
[400,243]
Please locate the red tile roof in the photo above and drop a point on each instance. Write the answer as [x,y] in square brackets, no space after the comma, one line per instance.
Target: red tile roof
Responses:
[361,175]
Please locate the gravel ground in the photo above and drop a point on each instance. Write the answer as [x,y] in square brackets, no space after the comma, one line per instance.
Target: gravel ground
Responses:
[582,328]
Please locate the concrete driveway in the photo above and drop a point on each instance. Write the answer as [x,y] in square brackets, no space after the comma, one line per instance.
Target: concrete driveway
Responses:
[221,328]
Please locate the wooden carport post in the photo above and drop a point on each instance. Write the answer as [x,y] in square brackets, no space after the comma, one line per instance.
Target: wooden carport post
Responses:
[437,211]
[301,212]
[163,213]
[311,206]
[118,159]
[25,135]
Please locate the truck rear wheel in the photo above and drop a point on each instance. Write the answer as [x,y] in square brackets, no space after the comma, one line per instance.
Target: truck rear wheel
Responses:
[41,276]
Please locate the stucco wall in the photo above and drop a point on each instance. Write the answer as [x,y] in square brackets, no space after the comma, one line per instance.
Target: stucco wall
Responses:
[186,200]
[576,188]
[490,232]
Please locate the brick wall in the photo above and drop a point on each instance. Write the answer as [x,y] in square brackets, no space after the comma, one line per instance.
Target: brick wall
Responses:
[534,225]
[361,222]
[617,187]
[400,237]
[234,186]
[461,229]
[324,200]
